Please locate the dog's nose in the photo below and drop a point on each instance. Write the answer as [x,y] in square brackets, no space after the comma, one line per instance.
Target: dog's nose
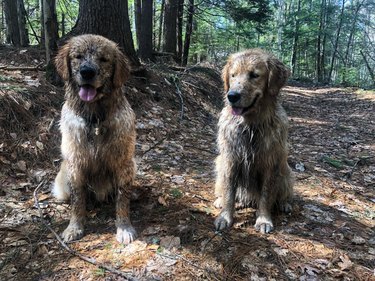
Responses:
[233,96]
[87,72]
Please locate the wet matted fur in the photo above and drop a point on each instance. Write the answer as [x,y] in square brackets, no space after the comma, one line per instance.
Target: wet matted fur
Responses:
[252,166]
[98,131]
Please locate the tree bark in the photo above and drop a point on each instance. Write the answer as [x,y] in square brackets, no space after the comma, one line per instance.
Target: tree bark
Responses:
[24,37]
[189,30]
[296,37]
[161,24]
[138,19]
[319,66]
[170,34]
[180,14]
[50,28]
[145,39]
[109,19]
[336,41]
[11,19]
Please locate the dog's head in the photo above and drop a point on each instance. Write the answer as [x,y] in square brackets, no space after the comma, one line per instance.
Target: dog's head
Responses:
[249,77]
[92,63]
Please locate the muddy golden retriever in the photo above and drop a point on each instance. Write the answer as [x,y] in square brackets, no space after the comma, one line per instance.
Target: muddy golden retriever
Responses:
[252,166]
[98,131]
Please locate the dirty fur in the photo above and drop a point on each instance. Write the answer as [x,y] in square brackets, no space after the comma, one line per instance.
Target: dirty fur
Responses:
[252,166]
[98,133]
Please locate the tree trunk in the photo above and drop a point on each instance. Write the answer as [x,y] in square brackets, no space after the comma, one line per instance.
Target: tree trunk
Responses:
[50,28]
[319,66]
[161,24]
[370,70]
[41,9]
[336,41]
[24,37]
[11,19]
[180,14]
[138,20]
[296,37]
[170,34]
[109,19]
[352,30]
[189,30]
[145,39]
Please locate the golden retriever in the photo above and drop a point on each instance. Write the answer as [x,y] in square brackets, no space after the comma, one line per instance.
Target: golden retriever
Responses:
[98,131]
[252,166]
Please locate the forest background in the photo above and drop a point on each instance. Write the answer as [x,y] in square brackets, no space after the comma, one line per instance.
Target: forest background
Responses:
[323,41]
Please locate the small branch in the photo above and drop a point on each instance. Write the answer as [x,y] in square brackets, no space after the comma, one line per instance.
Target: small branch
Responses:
[178,91]
[68,249]
[27,68]
[208,271]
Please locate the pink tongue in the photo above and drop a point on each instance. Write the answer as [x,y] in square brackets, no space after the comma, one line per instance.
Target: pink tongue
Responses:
[87,93]
[237,110]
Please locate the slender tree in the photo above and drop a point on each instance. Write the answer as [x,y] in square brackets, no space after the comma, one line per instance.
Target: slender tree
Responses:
[180,14]
[170,35]
[145,39]
[50,27]
[11,19]
[24,37]
[188,32]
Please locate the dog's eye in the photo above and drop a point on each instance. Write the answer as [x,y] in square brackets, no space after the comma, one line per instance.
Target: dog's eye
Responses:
[253,75]
[232,75]
[79,57]
[103,59]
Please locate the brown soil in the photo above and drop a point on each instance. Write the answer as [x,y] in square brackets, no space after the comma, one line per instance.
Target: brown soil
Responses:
[328,236]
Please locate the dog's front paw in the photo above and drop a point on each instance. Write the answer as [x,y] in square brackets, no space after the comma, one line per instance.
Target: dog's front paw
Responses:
[126,234]
[218,202]
[223,221]
[74,231]
[264,224]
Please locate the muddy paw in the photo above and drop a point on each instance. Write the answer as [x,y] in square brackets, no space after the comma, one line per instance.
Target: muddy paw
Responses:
[126,234]
[263,224]
[218,202]
[72,232]
[223,221]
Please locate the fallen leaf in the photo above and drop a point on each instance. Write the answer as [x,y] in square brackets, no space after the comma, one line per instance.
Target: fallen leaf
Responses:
[345,263]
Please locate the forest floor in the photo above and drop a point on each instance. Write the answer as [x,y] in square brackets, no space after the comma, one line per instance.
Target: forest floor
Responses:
[329,235]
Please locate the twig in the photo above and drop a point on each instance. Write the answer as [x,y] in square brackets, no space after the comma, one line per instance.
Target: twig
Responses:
[155,145]
[27,68]
[68,249]
[201,149]
[176,256]
[180,96]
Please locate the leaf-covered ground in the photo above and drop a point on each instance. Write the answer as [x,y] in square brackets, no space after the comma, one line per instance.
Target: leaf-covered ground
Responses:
[328,236]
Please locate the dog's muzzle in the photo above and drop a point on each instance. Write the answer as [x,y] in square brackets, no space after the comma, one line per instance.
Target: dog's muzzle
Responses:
[87,72]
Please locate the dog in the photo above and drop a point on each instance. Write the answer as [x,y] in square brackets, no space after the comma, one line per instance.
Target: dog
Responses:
[252,167]
[98,132]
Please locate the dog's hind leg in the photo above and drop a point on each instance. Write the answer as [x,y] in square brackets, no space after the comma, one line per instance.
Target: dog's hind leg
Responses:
[75,228]
[60,188]
[125,231]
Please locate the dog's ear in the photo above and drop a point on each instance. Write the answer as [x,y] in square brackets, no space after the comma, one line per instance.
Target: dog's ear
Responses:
[122,70]
[62,62]
[277,76]
[225,75]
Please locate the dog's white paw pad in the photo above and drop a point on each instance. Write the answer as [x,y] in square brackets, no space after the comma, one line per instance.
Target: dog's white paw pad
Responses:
[126,234]
[223,221]
[72,232]
[263,224]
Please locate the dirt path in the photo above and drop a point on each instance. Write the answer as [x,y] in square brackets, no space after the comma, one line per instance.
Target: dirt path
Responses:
[329,235]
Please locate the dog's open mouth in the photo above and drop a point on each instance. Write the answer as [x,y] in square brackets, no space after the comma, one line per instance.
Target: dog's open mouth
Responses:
[242,110]
[87,92]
